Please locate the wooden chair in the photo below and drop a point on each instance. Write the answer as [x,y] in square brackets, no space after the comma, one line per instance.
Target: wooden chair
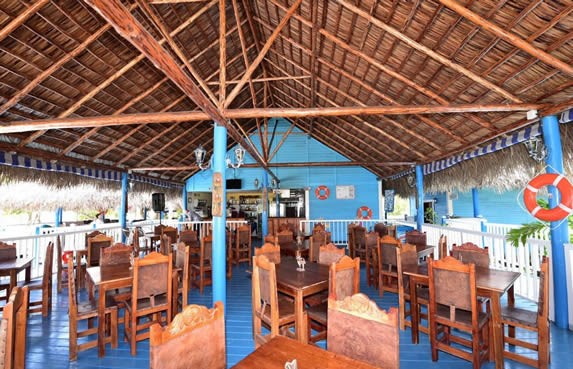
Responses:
[94,246]
[372,241]
[172,233]
[392,231]
[90,235]
[317,240]
[87,311]
[136,243]
[344,281]
[471,253]
[318,227]
[443,246]
[201,273]
[242,248]
[274,312]
[115,254]
[150,296]
[44,304]
[13,330]
[381,229]
[359,243]
[417,238]
[272,239]
[189,238]
[453,305]
[350,237]
[62,272]
[357,328]
[7,252]
[194,339]
[388,265]
[271,251]
[288,227]
[285,237]
[181,287]
[165,244]
[405,256]
[329,254]
[535,321]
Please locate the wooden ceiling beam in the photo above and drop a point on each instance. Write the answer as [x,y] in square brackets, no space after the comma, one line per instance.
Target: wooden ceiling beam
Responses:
[129,28]
[223,54]
[509,37]
[185,116]
[159,2]
[21,18]
[426,50]
[282,141]
[262,53]
[143,4]
[261,80]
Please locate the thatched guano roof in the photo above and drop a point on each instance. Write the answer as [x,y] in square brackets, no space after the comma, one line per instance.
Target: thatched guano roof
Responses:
[137,84]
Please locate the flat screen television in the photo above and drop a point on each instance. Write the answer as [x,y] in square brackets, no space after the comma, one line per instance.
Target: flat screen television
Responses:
[234,184]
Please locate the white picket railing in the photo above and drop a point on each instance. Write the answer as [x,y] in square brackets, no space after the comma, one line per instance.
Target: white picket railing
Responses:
[73,238]
[569,276]
[338,228]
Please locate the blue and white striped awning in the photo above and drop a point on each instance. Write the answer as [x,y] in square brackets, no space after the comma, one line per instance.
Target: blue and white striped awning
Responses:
[15,160]
[566,116]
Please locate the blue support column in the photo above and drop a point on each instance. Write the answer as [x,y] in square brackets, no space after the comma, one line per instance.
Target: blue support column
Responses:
[59,216]
[123,206]
[419,197]
[477,212]
[278,208]
[559,230]
[219,222]
[265,214]
[184,195]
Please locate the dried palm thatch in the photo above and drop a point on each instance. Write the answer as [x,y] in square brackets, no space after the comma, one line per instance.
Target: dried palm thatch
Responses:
[507,169]
[25,189]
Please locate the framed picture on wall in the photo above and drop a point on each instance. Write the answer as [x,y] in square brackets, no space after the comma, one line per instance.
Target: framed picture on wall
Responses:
[345,192]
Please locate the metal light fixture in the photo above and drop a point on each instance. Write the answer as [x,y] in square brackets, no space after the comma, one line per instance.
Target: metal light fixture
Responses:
[536,149]
[256,183]
[411,180]
[200,155]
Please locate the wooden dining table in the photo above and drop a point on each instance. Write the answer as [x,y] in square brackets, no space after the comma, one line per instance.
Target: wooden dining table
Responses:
[491,283]
[299,285]
[106,278]
[11,268]
[276,352]
[291,248]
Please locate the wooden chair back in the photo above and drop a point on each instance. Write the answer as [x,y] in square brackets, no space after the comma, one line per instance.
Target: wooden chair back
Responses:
[194,339]
[287,227]
[170,232]
[206,252]
[318,227]
[381,229]
[183,263]
[264,293]
[152,278]
[165,244]
[329,254]
[272,252]
[318,239]
[392,231]
[285,237]
[272,239]
[13,330]
[115,254]
[471,253]
[90,235]
[7,251]
[95,244]
[405,256]
[417,238]
[158,229]
[388,246]
[350,236]
[344,278]
[443,246]
[355,323]
[359,237]
[452,284]
[189,237]
[543,299]
[372,242]
[244,235]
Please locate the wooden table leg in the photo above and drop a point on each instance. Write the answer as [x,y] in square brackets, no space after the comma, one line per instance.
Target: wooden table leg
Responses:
[101,321]
[497,332]
[13,282]
[28,274]
[511,303]
[414,310]
[299,320]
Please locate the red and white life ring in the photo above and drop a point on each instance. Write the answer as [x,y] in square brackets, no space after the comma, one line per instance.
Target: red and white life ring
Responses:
[360,213]
[66,256]
[557,213]
[322,192]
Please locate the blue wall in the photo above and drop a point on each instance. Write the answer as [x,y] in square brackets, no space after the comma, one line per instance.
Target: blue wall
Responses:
[298,147]
[495,207]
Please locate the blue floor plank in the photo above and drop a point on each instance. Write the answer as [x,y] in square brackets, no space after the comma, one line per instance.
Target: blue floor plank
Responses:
[47,343]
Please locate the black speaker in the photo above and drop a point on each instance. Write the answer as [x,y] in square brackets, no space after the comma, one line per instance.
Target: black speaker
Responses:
[158,201]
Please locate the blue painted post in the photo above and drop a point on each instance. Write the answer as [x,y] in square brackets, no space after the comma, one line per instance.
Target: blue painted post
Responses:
[265,214]
[420,197]
[559,230]
[59,216]
[278,208]
[183,218]
[123,206]
[477,212]
[219,222]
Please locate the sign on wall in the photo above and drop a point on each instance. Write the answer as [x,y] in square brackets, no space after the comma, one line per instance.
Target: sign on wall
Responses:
[389,201]
[345,192]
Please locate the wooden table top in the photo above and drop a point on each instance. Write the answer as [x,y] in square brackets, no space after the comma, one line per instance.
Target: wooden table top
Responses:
[275,353]
[109,273]
[288,276]
[18,263]
[486,278]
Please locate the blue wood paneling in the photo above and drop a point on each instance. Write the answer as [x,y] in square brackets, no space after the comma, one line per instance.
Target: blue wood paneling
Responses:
[298,147]
[495,207]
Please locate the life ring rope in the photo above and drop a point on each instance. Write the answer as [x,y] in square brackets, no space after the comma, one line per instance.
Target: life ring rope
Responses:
[559,212]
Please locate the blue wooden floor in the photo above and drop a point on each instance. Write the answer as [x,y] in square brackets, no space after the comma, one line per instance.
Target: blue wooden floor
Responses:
[47,345]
